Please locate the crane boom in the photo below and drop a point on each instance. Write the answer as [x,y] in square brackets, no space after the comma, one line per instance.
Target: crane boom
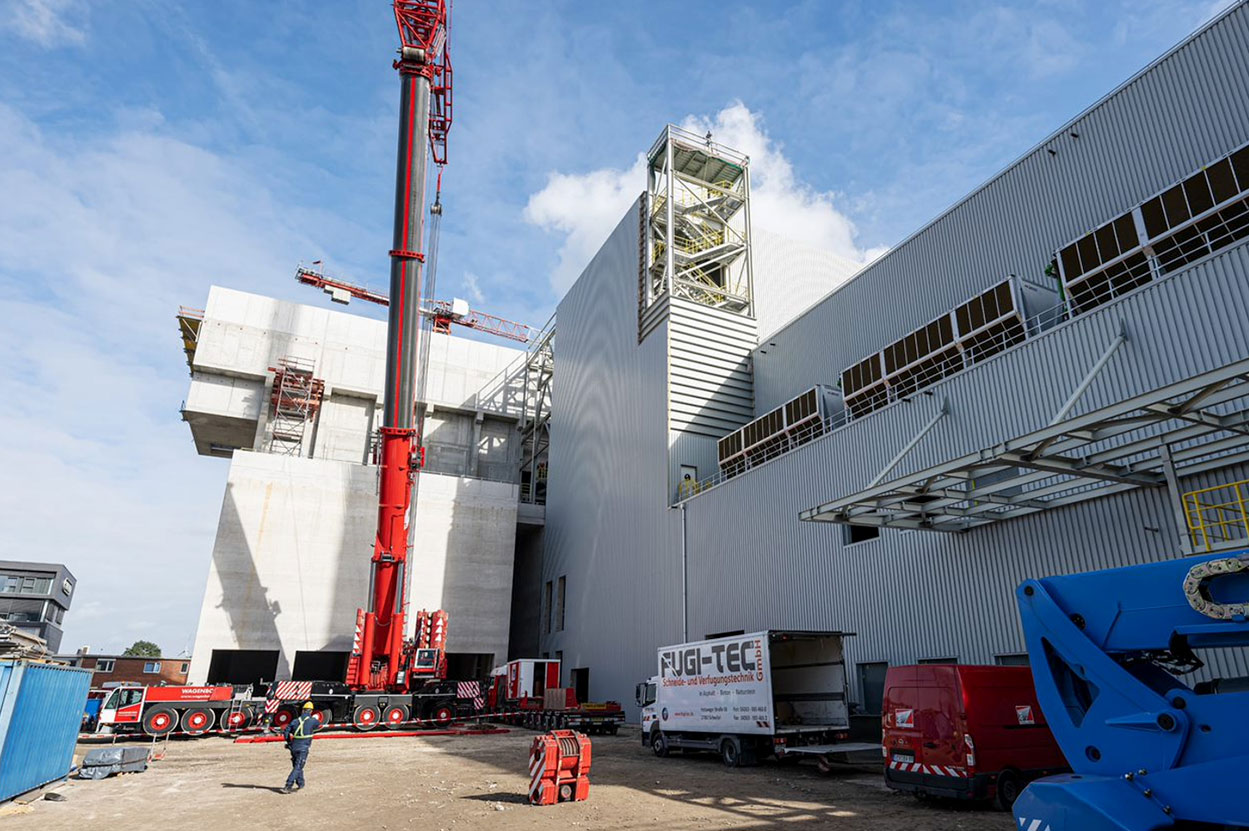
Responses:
[378,653]
[442,312]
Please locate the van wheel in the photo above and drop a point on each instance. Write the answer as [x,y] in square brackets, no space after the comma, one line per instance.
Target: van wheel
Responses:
[659,743]
[1008,790]
[731,752]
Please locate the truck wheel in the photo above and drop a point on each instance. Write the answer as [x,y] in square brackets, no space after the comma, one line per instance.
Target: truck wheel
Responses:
[731,752]
[159,721]
[324,716]
[443,715]
[659,743]
[395,715]
[365,717]
[1008,789]
[240,719]
[197,721]
[283,717]
[613,729]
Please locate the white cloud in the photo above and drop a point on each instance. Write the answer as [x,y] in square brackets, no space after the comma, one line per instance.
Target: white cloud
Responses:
[584,208]
[473,286]
[49,23]
[101,238]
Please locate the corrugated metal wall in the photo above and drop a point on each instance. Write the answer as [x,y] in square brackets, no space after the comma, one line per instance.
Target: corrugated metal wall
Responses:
[608,527]
[40,714]
[1191,107]
[910,595]
[709,380]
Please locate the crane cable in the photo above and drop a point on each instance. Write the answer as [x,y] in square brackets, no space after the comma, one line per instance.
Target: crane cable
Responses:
[427,328]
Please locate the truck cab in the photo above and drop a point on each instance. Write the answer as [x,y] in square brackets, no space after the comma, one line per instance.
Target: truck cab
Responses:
[645,696]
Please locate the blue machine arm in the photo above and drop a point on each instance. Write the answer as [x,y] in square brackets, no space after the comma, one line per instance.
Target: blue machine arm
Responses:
[1146,750]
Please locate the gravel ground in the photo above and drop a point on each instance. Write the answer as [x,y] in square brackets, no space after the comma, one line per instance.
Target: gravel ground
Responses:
[212,784]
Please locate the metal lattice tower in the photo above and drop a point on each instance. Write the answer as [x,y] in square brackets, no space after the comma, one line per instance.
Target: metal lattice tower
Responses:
[695,227]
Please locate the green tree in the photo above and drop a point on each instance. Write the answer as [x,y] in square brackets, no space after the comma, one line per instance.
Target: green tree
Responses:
[142,649]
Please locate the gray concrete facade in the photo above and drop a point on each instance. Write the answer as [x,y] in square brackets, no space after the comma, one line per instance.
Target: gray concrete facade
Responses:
[291,559]
[641,573]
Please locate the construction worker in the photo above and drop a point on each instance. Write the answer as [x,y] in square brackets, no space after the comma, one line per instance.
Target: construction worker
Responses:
[298,735]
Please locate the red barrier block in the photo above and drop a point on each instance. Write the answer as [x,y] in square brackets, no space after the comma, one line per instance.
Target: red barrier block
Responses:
[559,768]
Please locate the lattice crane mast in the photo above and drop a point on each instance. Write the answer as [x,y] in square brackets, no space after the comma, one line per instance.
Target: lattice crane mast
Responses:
[443,313]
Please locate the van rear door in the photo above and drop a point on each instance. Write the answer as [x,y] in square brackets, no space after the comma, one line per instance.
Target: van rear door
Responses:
[899,717]
[939,721]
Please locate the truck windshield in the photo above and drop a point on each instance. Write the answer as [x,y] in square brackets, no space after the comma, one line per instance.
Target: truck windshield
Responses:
[111,702]
[648,695]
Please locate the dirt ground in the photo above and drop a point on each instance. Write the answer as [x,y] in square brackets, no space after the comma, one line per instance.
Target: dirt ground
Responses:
[472,782]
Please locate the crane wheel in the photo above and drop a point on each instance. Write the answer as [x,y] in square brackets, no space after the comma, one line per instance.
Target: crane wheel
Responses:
[159,721]
[366,717]
[283,717]
[324,716]
[396,715]
[240,719]
[197,721]
[443,715]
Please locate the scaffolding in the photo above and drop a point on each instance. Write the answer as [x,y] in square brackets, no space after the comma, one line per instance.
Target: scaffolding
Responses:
[695,223]
[535,436]
[294,401]
[189,323]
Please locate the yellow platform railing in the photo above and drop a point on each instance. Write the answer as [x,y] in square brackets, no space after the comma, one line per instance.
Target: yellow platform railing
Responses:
[1217,515]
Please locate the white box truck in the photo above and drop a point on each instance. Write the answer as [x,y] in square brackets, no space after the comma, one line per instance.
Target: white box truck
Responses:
[750,696]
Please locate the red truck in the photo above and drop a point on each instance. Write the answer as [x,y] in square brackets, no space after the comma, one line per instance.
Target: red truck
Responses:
[965,732]
[158,711]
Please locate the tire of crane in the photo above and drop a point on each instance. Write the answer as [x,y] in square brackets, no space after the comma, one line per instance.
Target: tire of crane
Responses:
[159,721]
[324,716]
[239,719]
[613,729]
[396,714]
[365,717]
[283,717]
[197,721]
[443,715]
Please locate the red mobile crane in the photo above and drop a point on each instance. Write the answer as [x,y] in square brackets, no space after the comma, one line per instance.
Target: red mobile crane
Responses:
[380,658]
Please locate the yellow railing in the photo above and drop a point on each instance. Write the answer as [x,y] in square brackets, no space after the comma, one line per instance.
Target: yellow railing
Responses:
[1217,515]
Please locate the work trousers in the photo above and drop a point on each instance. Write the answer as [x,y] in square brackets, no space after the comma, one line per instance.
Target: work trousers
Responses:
[298,759]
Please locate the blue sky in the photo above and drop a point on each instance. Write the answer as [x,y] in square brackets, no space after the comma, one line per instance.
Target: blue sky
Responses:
[151,149]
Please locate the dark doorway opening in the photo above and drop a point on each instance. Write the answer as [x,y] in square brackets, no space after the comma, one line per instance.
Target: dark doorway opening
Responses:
[242,666]
[872,683]
[581,683]
[469,666]
[320,665]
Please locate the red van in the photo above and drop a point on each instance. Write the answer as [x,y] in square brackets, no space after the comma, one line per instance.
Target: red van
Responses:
[966,732]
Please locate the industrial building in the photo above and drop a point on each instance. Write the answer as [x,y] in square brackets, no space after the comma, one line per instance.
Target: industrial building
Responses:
[290,395]
[1047,378]
[34,597]
[718,433]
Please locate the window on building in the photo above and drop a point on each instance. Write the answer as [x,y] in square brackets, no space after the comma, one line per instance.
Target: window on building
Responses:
[1014,659]
[10,585]
[559,606]
[151,667]
[105,665]
[853,534]
[938,660]
[28,585]
[183,669]
[546,608]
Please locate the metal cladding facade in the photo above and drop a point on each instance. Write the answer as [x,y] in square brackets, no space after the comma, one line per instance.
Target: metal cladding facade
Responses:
[40,714]
[737,553]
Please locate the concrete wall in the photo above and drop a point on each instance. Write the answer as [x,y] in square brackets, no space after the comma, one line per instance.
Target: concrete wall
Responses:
[243,335]
[290,562]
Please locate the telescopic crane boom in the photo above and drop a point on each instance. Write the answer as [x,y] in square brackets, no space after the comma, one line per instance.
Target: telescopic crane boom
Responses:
[379,657]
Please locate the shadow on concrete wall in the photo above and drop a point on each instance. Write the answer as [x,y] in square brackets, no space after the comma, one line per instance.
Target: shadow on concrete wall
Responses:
[251,615]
